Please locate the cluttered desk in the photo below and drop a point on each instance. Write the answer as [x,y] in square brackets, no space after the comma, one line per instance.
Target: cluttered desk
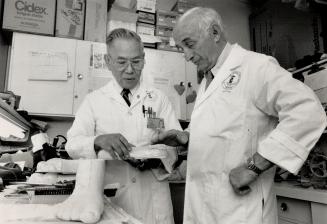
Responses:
[35,199]
[56,190]
[60,191]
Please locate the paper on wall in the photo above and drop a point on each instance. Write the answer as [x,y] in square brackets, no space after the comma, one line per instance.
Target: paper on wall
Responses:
[99,72]
[164,80]
[48,66]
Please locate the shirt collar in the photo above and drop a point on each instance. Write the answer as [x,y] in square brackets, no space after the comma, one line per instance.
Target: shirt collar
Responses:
[221,59]
[119,89]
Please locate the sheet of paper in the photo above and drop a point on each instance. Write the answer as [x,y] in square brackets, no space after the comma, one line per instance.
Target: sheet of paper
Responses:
[48,66]
[164,80]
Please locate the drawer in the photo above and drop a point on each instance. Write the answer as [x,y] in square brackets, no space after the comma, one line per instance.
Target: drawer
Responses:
[294,211]
[283,221]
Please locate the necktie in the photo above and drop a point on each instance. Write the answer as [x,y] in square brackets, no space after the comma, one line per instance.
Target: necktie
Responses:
[124,94]
[209,77]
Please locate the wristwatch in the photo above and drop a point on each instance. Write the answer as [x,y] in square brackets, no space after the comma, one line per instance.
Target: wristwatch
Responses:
[253,167]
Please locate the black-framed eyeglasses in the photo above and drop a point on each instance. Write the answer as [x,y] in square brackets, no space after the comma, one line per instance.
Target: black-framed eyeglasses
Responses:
[122,63]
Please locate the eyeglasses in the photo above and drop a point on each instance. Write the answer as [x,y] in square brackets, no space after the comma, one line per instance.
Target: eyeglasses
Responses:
[122,63]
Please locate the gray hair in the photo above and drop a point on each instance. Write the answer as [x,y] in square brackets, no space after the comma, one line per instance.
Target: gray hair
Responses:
[122,33]
[199,19]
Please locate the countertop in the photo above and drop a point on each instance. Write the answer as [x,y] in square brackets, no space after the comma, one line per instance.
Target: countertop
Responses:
[293,190]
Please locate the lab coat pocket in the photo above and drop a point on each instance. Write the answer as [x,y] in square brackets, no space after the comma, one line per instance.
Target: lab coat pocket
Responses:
[145,134]
[232,206]
[227,115]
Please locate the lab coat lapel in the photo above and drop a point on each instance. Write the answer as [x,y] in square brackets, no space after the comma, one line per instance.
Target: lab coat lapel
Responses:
[110,91]
[139,97]
[232,62]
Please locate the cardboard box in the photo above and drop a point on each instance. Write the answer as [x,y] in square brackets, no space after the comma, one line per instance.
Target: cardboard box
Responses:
[146,17]
[32,16]
[167,18]
[96,20]
[144,28]
[146,5]
[164,31]
[70,19]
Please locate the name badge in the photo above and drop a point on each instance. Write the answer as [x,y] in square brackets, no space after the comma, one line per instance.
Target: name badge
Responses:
[155,123]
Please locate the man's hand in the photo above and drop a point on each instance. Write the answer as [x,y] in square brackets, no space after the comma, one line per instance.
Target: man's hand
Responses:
[240,178]
[114,144]
[171,138]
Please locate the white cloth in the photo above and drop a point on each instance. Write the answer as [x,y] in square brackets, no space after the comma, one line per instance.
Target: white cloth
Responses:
[236,116]
[105,111]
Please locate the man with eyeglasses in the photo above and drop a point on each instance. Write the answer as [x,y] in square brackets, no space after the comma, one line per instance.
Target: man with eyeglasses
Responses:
[112,120]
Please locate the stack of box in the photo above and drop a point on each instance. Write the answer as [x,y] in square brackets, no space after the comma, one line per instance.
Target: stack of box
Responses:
[65,20]
[166,21]
[182,6]
[146,5]
[87,19]
[146,20]
[120,17]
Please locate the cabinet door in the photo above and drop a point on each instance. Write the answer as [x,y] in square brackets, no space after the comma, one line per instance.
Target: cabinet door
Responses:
[91,71]
[164,69]
[41,71]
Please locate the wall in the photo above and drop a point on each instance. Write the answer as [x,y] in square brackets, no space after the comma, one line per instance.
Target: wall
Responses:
[290,33]
[235,16]
[3,53]
[57,126]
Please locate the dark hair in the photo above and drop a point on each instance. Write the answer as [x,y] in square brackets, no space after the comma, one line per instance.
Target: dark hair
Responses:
[122,33]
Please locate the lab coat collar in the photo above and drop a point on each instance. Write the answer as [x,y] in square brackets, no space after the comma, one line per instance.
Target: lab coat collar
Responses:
[233,60]
[222,58]
[120,89]
[113,89]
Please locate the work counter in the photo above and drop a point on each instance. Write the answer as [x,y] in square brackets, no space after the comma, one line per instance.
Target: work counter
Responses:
[296,204]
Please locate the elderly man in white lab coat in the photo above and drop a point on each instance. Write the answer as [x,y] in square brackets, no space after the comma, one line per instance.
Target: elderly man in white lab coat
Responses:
[112,119]
[249,115]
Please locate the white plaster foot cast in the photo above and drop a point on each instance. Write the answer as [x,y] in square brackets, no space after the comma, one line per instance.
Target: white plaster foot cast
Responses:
[43,178]
[57,165]
[86,202]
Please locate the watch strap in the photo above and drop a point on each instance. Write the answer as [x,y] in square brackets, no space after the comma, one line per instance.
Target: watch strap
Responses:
[253,167]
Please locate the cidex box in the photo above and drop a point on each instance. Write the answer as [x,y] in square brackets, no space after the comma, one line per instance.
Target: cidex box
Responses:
[32,16]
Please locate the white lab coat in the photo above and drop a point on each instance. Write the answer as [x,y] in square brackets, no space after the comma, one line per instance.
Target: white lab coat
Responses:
[233,119]
[105,111]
